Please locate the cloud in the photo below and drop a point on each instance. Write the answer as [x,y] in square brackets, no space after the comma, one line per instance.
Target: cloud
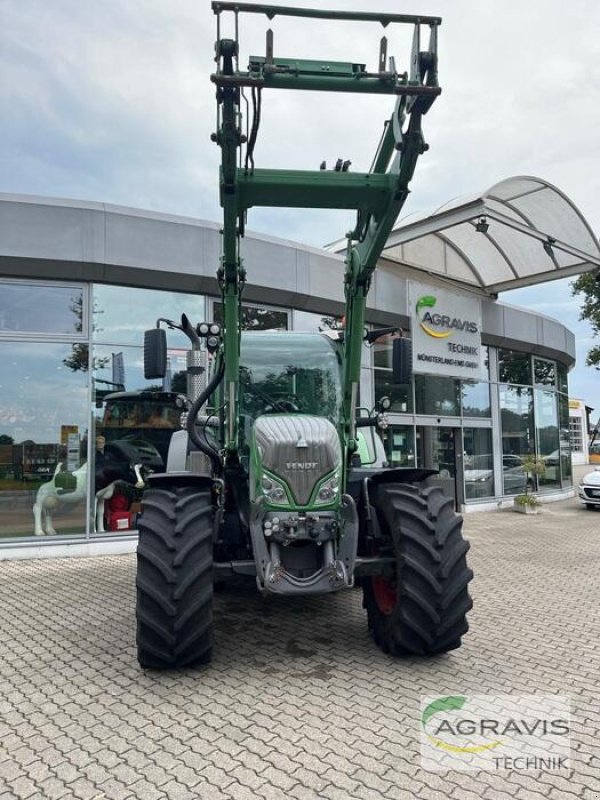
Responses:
[112,102]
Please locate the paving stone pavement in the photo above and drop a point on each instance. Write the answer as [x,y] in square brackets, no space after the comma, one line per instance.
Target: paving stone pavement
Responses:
[298,702]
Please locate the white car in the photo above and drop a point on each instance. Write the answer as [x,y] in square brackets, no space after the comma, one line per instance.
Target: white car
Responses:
[589,489]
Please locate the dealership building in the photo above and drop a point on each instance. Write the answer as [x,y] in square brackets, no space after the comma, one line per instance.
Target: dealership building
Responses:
[81,281]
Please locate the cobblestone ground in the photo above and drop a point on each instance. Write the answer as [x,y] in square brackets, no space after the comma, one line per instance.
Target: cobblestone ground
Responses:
[298,702]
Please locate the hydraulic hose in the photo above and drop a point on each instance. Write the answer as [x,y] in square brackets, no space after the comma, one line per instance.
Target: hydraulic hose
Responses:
[202,444]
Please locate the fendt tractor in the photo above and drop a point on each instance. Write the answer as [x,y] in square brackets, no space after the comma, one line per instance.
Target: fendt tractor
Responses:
[276,474]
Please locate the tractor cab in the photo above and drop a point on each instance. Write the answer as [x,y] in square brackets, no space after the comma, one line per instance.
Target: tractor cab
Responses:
[143,421]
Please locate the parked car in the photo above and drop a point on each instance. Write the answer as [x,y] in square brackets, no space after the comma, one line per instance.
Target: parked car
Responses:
[589,489]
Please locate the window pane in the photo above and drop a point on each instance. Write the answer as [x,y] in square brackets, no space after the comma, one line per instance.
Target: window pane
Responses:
[546,416]
[475,399]
[485,355]
[256,319]
[400,395]
[117,369]
[307,322]
[514,367]
[34,308]
[544,372]
[575,434]
[399,444]
[122,315]
[43,433]
[133,426]
[562,379]
[439,396]
[518,436]
[382,353]
[566,468]
[479,463]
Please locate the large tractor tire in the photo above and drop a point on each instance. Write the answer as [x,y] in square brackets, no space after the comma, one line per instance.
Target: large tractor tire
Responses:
[174,578]
[422,608]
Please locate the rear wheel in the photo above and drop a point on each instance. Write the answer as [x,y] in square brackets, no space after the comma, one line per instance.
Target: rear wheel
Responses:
[422,608]
[174,578]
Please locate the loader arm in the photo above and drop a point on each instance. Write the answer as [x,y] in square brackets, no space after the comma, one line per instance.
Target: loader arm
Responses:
[377,196]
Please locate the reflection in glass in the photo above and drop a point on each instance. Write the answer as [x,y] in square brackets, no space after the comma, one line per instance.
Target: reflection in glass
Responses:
[514,367]
[255,318]
[544,372]
[121,315]
[438,396]
[518,439]
[307,322]
[301,375]
[475,399]
[400,395]
[35,308]
[134,420]
[43,441]
[117,368]
[546,415]
[478,463]
[399,444]
[562,378]
[566,468]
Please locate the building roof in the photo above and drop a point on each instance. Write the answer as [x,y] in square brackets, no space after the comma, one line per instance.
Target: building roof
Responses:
[520,232]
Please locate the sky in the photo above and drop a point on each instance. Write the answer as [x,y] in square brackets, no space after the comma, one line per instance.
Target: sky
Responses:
[111,101]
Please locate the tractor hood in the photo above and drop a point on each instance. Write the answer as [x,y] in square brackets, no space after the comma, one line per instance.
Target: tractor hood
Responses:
[301,450]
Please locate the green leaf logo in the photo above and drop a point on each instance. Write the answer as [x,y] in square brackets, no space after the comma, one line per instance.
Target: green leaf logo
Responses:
[427,301]
[452,703]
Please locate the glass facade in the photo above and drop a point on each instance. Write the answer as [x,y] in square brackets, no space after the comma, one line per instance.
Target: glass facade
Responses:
[65,346]
[475,399]
[43,436]
[437,396]
[514,367]
[547,436]
[30,309]
[399,444]
[478,463]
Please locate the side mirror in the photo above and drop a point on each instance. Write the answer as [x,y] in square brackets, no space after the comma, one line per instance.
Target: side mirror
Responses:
[402,361]
[155,353]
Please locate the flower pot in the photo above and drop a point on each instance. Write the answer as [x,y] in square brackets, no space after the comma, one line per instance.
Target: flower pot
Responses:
[526,509]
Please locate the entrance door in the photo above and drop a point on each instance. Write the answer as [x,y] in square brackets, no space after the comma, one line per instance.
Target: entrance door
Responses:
[440,448]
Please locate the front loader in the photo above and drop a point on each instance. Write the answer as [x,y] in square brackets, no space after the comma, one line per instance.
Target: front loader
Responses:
[275,474]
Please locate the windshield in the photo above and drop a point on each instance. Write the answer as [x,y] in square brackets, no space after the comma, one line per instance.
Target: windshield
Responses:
[289,372]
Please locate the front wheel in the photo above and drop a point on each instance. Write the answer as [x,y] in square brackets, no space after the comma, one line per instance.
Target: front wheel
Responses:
[422,608]
[174,578]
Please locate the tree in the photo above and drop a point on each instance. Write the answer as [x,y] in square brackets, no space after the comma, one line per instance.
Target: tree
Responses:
[588,285]
[79,360]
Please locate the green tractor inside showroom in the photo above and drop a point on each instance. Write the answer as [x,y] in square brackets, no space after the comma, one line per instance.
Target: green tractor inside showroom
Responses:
[275,474]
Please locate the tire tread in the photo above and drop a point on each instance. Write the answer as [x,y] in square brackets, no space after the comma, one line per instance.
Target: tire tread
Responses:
[432,575]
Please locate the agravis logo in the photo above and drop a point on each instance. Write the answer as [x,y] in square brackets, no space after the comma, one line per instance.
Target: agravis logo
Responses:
[437,732]
[495,732]
[443,324]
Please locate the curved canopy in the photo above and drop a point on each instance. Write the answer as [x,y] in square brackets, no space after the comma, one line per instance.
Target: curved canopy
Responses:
[521,232]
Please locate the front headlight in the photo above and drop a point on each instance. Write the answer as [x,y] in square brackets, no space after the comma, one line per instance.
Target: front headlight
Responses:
[328,490]
[274,491]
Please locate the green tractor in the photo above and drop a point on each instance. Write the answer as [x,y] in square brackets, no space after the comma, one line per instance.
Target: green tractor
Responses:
[275,474]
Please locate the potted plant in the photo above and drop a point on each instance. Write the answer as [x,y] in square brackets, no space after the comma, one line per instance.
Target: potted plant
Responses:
[528,503]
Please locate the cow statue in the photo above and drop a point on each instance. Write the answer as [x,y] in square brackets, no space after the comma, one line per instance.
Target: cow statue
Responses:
[110,472]
[50,495]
